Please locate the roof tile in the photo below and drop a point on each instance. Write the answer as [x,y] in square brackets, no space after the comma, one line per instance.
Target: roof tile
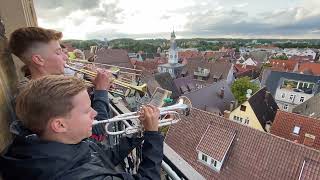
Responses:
[285,122]
[253,154]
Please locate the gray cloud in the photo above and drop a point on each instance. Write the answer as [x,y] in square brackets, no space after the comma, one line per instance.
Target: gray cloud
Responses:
[239,23]
[206,19]
[67,5]
[54,10]
[108,13]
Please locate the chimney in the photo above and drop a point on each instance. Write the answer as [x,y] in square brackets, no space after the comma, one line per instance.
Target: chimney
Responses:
[222,92]
[226,114]
[235,105]
[232,105]
[268,126]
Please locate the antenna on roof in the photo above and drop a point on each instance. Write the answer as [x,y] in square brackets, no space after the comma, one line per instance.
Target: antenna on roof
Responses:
[249,92]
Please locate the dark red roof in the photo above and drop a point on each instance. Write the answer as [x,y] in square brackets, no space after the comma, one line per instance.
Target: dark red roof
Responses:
[285,122]
[314,68]
[189,54]
[252,155]
[283,65]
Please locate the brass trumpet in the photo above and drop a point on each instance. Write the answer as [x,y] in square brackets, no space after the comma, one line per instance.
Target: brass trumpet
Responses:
[169,114]
[142,89]
[108,65]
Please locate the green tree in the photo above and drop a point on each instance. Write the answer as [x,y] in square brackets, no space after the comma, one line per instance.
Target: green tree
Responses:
[240,86]
[281,57]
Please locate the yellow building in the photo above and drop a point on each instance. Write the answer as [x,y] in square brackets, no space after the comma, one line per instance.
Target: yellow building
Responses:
[257,112]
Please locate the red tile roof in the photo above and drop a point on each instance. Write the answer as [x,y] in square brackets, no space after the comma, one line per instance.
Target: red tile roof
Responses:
[246,70]
[314,68]
[243,68]
[217,69]
[310,170]
[188,54]
[118,57]
[283,65]
[289,65]
[150,65]
[285,122]
[252,155]
[218,137]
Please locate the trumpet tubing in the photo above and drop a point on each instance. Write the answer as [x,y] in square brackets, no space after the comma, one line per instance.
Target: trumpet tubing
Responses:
[172,112]
[141,88]
[108,65]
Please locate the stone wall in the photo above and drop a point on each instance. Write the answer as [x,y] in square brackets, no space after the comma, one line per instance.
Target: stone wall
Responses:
[8,80]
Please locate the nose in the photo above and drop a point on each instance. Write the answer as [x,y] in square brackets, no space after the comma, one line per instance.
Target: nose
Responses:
[94,113]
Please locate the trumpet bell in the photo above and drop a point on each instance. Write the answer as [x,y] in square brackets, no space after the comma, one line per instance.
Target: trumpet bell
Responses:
[182,106]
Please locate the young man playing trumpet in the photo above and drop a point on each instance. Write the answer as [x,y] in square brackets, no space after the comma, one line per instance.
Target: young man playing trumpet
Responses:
[40,50]
[56,111]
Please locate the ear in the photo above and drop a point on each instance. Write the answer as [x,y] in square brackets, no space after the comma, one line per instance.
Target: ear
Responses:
[58,125]
[37,59]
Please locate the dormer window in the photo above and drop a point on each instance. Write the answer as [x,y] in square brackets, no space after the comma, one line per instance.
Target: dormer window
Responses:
[204,158]
[209,161]
[213,163]
[212,140]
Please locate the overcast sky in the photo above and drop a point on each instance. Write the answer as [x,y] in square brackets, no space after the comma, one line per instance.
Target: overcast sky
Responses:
[98,19]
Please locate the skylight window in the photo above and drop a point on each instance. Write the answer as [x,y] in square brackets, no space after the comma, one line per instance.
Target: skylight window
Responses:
[296,130]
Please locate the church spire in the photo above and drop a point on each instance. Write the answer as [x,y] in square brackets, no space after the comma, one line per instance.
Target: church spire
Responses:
[173,35]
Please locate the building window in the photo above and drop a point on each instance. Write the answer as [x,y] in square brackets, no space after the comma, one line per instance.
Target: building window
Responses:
[235,118]
[238,119]
[246,121]
[213,162]
[296,130]
[204,157]
[301,99]
[283,95]
[291,97]
[243,108]
[285,107]
[311,86]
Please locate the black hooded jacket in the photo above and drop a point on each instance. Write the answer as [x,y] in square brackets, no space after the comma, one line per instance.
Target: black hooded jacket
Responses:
[29,157]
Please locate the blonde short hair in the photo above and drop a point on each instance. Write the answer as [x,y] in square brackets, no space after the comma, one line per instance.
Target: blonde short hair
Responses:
[46,98]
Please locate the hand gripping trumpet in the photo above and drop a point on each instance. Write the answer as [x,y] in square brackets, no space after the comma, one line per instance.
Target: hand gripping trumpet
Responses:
[168,115]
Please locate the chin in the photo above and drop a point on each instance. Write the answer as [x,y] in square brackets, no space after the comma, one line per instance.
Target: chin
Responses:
[89,134]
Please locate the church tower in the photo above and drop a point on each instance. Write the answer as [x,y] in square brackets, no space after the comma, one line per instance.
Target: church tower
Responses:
[173,52]
[172,67]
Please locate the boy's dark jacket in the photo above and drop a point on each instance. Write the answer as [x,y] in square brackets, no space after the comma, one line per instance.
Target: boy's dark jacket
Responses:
[28,157]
